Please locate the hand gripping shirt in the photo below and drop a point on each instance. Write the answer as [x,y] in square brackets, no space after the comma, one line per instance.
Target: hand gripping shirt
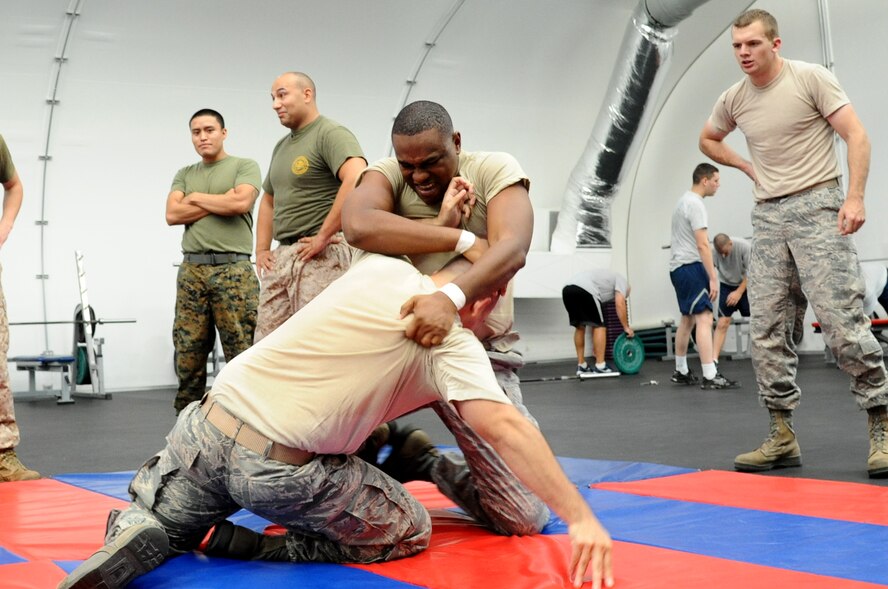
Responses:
[490,173]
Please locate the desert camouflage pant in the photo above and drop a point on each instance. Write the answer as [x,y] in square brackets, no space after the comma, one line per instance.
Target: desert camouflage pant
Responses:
[798,254]
[211,297]
[479,481]
[292,284]
[335,508]
[9,433]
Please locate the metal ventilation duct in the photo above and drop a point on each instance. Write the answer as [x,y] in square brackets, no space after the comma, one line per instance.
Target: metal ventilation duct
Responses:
[585,219]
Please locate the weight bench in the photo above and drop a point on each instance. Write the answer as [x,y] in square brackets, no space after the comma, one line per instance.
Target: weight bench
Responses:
[742,336]
[877,327]
[668,326]
[64,365]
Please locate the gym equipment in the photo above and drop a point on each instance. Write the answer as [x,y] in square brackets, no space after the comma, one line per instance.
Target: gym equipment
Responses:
[85,364]
[591,375]
[628,354]
[45,363]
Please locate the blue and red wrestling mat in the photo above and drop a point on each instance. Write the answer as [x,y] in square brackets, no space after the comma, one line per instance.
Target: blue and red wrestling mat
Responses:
[672,528]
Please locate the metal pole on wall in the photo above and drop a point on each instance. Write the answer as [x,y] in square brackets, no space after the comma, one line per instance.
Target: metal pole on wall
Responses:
[430,43]
[830,64]
[61,57]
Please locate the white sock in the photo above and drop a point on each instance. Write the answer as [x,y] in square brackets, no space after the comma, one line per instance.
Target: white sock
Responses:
[709,371]
[681,364]
[601,366]
[584,365]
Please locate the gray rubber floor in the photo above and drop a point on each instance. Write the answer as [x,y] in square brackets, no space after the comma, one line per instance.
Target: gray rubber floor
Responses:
[642,418]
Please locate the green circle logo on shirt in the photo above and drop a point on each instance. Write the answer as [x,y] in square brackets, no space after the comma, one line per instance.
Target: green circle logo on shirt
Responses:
[300,165]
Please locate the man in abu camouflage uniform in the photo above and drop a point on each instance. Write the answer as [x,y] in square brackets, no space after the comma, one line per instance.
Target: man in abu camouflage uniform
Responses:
[216,287]
[11,468]
[278,432]
[802,223]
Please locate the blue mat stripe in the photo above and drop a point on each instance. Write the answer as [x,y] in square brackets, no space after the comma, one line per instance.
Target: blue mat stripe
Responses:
[194,571]
[191,570]
[581,472]
[113,484]
[7,557]
[585,471]
[828,547]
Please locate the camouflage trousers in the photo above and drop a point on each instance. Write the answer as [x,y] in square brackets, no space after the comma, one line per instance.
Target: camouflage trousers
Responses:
[292,284]
[336,508]
[479,481]
[9,433]
[799,256]
[211,297]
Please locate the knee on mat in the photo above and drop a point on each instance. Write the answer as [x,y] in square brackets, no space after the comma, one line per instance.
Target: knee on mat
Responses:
[414,541]
[527,522]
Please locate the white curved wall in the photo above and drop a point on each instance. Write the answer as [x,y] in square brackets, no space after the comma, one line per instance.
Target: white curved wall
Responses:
[521,76]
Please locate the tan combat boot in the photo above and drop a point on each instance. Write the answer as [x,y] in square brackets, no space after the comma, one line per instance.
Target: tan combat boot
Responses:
[877,465]
[780,448]
[12,469]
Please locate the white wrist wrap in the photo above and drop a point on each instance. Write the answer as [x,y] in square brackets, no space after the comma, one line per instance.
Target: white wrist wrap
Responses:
[466,240]
[454,293]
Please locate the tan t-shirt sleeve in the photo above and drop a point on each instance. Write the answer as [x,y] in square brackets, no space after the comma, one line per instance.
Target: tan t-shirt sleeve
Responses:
[720,118]
[825,90]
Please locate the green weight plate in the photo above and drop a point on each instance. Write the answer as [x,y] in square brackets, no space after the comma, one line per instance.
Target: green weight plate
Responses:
[628,354]
[82,366]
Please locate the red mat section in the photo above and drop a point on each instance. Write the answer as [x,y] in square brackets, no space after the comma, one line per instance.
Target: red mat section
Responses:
[49,520]
[30,575]
[852,502]
[45,521]
[464,556]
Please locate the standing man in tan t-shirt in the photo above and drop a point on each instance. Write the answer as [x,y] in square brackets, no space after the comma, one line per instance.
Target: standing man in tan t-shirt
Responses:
[789,112]
[312,170]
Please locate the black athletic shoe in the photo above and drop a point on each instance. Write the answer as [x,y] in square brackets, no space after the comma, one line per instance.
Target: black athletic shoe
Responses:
[585,371]
[232,541]
[369,450]
[136,551]
[719,383]
[685,379]
[413,454]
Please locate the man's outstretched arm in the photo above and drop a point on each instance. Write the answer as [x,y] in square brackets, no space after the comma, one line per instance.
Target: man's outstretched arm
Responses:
[526,452]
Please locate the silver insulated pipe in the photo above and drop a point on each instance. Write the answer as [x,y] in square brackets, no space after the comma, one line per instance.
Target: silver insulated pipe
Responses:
[585,217]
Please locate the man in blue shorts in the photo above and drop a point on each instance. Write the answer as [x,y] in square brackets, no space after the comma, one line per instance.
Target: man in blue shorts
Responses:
[696,284]
[732,262]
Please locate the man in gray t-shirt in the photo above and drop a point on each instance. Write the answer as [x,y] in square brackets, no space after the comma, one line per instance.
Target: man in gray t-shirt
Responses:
[731,259]
[583,297]
[693,277]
